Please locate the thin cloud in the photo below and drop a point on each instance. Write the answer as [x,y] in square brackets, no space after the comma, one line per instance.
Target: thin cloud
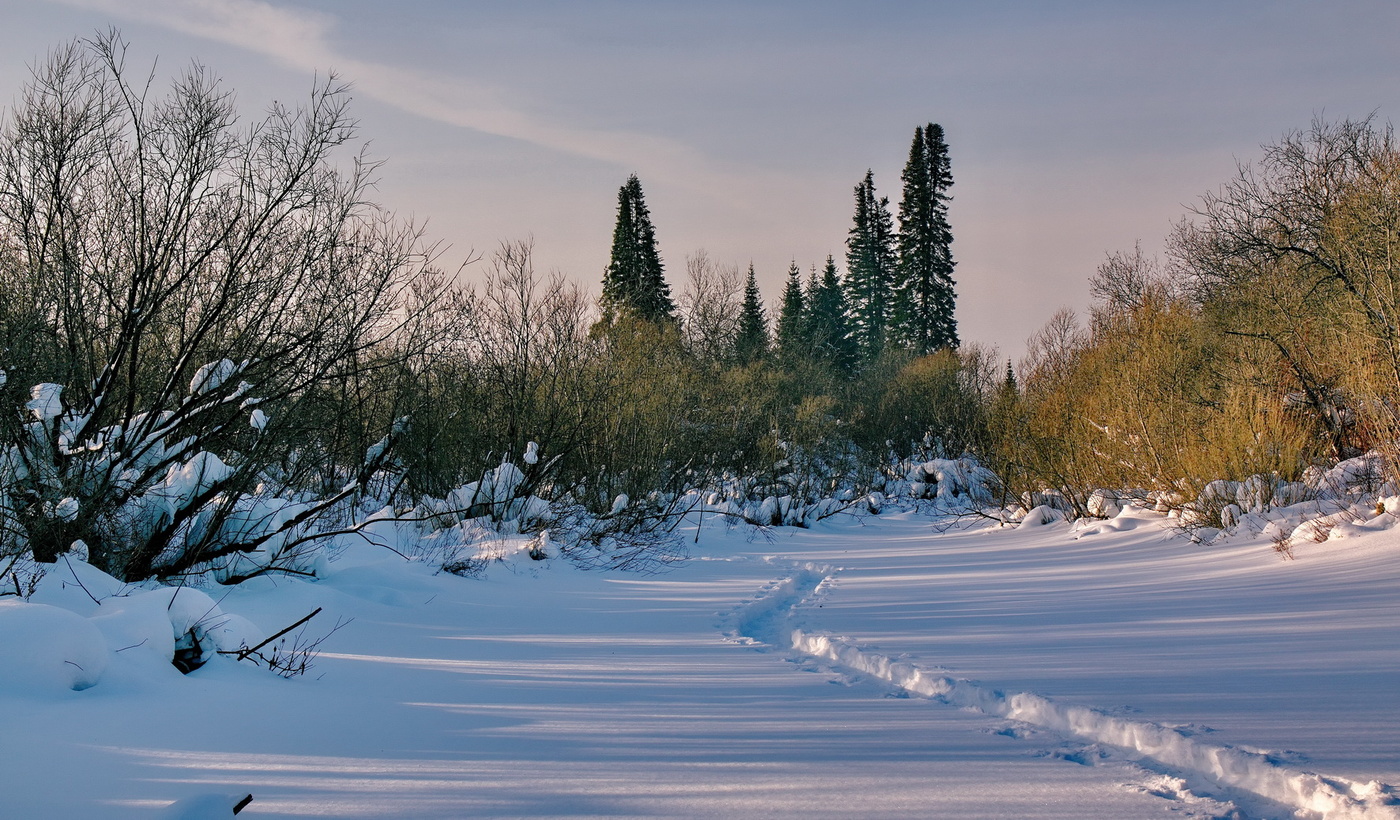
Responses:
[300,40]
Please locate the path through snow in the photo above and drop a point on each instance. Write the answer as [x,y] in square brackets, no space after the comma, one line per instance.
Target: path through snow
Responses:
[769,619]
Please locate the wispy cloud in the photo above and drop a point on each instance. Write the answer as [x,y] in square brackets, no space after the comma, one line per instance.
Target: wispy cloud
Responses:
[301,40]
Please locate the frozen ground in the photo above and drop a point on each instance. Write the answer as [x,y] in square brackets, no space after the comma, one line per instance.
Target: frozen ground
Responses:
[861,669]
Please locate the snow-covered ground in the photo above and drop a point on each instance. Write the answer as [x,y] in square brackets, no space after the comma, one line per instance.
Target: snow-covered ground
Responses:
[875,667]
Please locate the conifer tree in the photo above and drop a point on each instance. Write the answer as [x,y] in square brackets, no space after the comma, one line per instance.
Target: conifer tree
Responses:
[923,317]
[634,282]
[827,328]
[791,333]
[813,282]
[809,311]
[870,263]
[751,343]
[1001,415]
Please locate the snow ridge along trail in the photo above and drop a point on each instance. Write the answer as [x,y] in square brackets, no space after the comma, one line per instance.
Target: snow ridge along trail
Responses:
[769,619]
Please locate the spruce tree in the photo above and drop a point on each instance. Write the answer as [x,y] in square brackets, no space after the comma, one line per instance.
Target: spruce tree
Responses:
[923,317]
[751,343]
[870,263]
[827,327]
[809,311]
[1001,415]
[791,334]
[634,282]
[813,282]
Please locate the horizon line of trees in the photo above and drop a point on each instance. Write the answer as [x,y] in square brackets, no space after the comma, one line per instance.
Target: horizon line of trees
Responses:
[214,344]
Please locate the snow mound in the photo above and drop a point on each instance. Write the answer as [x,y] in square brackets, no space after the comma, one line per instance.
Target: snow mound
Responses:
[44,649]
[1040,516]
[46,401]
[212,376]
[152,624]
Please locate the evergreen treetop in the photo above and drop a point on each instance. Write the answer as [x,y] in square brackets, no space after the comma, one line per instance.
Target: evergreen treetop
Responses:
[923,289]
[634,282]
[870,263]
[827,328]
[791,332]
[751,343]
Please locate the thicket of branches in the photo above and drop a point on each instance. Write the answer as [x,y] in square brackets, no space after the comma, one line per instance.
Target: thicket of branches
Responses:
[208,308]
[1267,342]
[649,410]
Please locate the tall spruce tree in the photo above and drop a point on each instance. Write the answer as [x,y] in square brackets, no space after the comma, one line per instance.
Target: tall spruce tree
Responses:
[634,282]
[809,311]
[791,337]
[751,343]
[827,327]
[870,263]
[924,295]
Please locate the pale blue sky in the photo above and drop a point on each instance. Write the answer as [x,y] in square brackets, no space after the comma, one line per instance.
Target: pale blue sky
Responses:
[1074,128]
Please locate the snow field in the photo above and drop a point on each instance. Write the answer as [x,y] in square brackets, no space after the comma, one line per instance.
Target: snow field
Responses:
[543,690]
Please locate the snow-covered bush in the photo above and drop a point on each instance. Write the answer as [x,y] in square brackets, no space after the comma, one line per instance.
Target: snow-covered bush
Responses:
[501,495]
[1350,478]
[143,500]
[1105,503]
[813,478]
[1322,492]
[963,481]
[1051,499]
[216,285]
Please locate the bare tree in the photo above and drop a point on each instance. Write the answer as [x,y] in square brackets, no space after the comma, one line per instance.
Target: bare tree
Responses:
[711,306]
[1298,254]
[529,352]
[1127,281]
[184,284]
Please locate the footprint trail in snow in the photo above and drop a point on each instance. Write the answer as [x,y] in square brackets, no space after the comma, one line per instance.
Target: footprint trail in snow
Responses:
[1175,760]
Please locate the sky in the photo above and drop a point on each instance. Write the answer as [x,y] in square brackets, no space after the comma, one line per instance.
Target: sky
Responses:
[1074,129]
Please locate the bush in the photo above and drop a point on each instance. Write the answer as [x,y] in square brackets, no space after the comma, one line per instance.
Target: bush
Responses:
[183,292]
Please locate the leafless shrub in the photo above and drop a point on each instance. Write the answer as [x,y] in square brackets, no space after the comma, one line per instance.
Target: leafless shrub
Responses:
[289,652]
[20,576]
[710,306]
[466,567]
[646,552]
[195,287]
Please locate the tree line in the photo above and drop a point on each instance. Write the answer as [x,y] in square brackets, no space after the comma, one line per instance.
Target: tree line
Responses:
[214,343]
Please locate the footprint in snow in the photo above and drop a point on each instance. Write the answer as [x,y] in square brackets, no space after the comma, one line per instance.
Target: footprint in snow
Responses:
[1016,732]
[1086,756]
